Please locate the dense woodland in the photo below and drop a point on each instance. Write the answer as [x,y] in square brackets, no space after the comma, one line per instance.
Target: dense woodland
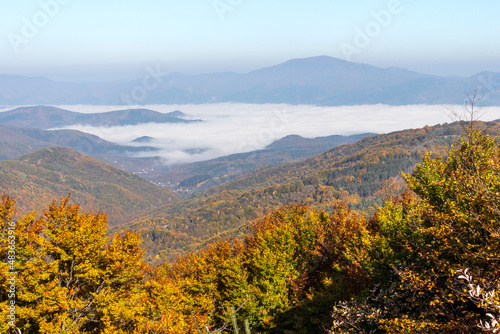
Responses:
[37,178]
[359,175]
[425,261]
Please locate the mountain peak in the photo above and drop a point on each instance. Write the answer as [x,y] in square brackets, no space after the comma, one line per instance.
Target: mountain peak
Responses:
[42,108]
[323,62]
[55,155]
[320,60]
[319,80]
[176,113]
[143,139]
[288,141]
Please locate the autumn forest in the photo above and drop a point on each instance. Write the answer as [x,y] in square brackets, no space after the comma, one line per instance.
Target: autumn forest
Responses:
[419,258]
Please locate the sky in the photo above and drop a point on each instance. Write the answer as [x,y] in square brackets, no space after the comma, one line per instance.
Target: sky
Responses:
[95,40]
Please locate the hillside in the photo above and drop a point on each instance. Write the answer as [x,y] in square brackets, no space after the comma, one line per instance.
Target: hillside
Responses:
[199,176]
[37,178]
[318,80]
[15,142]
[27,140]
[300,146]
[354,173]
[185,179]
[46,117]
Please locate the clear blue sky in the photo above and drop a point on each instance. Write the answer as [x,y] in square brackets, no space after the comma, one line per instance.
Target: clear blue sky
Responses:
[113,38]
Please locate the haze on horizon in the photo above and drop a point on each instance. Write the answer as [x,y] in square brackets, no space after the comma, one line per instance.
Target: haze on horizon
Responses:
[103,40]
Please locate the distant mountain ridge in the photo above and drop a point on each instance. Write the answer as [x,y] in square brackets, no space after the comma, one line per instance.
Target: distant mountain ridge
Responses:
[318,80]
[47,117]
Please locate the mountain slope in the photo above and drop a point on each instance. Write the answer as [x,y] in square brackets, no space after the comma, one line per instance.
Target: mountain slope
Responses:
[199,176]
[37,178]
[15,142]
[354,173]
[316,80]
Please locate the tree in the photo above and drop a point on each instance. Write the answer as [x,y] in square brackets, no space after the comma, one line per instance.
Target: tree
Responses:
[70,277]
[453,223]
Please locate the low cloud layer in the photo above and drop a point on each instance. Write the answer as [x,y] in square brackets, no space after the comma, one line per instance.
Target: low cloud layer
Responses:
[229,128]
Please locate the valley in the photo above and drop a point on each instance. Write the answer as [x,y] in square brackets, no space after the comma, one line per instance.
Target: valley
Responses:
[178,209]
[361,175]
[39,165]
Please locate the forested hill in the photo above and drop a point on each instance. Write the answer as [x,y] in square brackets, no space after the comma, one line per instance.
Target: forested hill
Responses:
[200,176]
[37,178]
[354,173]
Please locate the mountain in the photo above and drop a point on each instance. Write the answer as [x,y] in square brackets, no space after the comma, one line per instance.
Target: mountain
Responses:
[185,179]
[329,81]
[15,142]
[143,139]
[51,173]
[176,113]
[304,146]
[358,174]
[316,80]
[46,117]
[199,176]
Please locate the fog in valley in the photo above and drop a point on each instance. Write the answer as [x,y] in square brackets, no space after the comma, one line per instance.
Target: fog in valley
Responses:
[227,128]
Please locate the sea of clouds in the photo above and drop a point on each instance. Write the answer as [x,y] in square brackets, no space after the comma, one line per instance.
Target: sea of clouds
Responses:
[228,128]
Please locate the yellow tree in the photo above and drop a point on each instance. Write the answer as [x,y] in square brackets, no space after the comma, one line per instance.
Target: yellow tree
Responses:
[215,281]
[71,278]
[301,261]
[167,306]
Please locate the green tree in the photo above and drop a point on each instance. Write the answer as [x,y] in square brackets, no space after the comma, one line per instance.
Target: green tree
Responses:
[451,224]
